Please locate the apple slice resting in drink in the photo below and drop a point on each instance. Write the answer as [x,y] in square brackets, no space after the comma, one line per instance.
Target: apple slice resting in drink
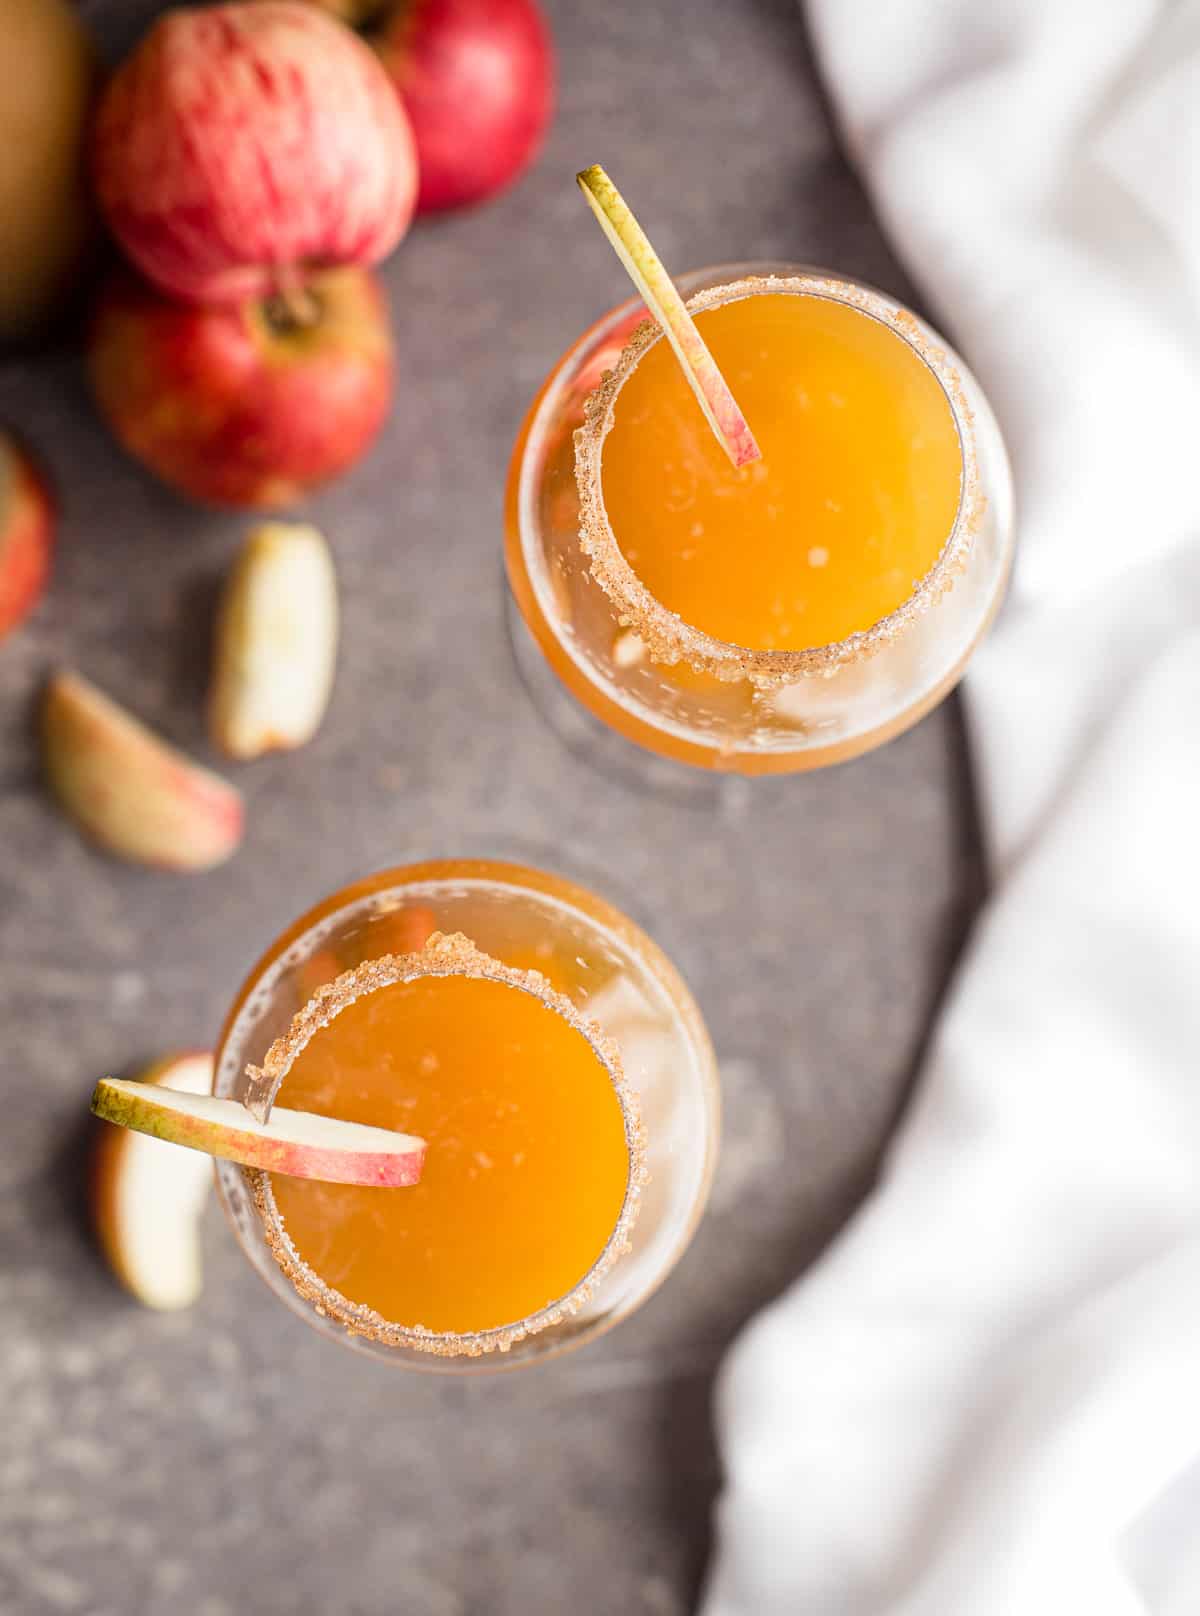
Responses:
[661,296]
[299,1144]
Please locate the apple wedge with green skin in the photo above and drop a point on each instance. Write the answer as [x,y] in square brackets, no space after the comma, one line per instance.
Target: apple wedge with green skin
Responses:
[299,1144]
[662,298]
[130,792]
[146,1200]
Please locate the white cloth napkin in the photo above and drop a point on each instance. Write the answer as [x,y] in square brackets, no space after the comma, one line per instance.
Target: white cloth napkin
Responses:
[985,1399]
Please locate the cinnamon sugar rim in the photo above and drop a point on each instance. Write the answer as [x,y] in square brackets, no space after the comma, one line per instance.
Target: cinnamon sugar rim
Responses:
[668,638]
[453,955]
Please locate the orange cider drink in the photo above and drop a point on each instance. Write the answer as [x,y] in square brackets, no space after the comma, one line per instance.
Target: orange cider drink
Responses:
[535,1055]
[521,1112]
[790,613]
[849,507]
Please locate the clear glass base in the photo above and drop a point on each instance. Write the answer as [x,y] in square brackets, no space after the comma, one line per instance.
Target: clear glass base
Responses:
[596,744]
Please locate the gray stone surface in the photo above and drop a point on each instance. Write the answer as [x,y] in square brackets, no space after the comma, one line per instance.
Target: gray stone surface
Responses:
[229,1460]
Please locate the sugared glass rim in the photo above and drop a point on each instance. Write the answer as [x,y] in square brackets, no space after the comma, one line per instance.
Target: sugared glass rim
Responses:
[453,955]
[668,638]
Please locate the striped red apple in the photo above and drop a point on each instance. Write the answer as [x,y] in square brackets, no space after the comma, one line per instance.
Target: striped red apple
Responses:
[243,147]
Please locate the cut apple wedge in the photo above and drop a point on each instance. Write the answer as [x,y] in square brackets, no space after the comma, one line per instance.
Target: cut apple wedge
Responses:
[146,1200]
[276,643]
[299,1144]
[128,790]
[662,298]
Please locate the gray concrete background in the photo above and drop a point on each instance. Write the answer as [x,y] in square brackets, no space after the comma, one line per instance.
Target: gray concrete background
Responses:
[228,1460]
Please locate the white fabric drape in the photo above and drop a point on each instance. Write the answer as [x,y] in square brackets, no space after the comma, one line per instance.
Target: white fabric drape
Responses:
[985,1399]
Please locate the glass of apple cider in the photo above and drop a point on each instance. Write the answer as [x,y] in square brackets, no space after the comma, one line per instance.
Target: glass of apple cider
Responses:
[558,1069]
[794,612]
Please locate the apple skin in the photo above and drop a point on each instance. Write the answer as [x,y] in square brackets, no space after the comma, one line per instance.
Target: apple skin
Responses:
[477,80]
[242,146]
[26,533]
[246,407]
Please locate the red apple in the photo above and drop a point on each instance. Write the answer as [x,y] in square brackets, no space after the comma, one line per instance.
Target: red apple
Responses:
[26,533]
[477,79]
[242,146]
[246,406]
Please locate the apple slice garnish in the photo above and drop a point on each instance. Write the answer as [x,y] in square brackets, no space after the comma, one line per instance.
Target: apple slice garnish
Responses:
[146,1200]
[662,298]
[299,1144]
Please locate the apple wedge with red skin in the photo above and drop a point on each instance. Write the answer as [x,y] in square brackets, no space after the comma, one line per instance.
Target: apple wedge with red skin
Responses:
[242,146]
[299,1144]
[248,406]
[146,1200]
[127,790]
[26,533]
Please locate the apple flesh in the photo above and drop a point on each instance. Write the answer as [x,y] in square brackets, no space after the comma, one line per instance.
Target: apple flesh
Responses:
[47,68]
[26,533]
[661,296]
[276,643]
[243,145]
[477,80]
[299,1144]
[248,406]
[146,1200]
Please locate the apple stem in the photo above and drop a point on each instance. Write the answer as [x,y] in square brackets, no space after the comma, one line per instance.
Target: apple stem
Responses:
[363,15]
[647,272]
[292,306]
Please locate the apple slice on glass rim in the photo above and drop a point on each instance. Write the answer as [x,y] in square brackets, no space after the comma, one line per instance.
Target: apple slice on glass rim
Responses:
[661,296]
[299,1144]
